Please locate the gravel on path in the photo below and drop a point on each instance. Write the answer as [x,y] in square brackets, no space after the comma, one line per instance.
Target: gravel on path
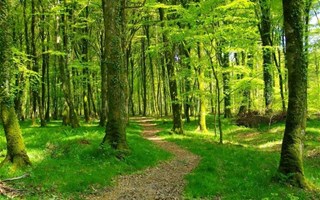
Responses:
[164,181]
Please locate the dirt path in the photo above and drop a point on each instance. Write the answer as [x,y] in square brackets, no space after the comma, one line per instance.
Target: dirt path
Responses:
[164,181]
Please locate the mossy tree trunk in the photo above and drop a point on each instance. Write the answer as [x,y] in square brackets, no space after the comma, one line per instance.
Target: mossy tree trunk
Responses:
[117,80]
[291,163]
[16,151]
[265,33]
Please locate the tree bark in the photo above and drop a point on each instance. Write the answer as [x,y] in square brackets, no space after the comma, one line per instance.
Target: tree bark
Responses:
[291,163]
[203,101]
[16,151]
[152,76]
[187,103]
[34,83]
[144,77]
[45,65]
[173,86]
[226,85]
[117,80]
[265,33]
[103,70]
[84,60]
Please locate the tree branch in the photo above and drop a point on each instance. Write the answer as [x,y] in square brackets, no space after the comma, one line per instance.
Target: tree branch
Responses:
[15,178]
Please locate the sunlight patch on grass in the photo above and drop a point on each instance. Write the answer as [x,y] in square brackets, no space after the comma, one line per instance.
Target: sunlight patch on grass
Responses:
[243,167]
[68,163]
[270,145]
[36,155]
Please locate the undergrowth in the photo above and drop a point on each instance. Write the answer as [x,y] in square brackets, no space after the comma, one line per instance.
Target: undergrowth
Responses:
[244,166]
[70,163]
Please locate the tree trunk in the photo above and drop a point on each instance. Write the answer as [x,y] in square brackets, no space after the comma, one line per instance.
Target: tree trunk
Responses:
[215,75]
[306,28]
[291,163]
[117,80]
[103,70]
[47,115]
[245,103]
[45,65]
[265,33]
[187,86]
[131,81]
[34,83]
[84,60]
[16,151]
[164,85]
[203,101]
[226,85]
[65,74]
[144,77]
[27,43]
[152,76]
[173,86]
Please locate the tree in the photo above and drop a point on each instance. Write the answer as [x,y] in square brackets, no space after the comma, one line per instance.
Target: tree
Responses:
[117,86]
[291,163]
[65,73]
[173,85]
[203,100]
[16,151]
[265,33]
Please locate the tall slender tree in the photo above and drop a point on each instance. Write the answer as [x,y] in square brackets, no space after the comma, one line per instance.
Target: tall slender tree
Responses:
[291,163]
[173,85]
[65,72]
[201,86]
[265,33]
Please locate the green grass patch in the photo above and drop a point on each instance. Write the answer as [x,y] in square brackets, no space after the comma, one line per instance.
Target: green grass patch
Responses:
[68,163]
[244,167]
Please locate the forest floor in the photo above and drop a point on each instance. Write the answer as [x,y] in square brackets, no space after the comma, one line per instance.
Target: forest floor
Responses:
[164,181]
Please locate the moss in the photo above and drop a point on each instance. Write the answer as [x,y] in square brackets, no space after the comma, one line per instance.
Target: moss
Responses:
[291,164]
[65,117]
[177,130]
[16,151]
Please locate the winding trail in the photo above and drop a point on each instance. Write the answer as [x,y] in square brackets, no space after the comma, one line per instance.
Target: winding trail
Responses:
[164,181]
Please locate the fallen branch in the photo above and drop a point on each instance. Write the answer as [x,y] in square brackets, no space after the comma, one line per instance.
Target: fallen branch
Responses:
[15,178]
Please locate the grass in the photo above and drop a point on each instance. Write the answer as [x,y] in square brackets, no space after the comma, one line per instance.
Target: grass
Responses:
[69,163]
[244,167]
